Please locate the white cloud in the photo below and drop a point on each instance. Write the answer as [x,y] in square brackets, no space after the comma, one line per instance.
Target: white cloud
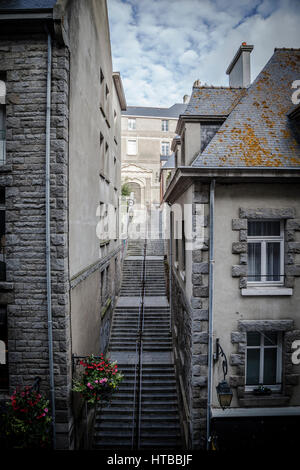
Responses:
[162,46]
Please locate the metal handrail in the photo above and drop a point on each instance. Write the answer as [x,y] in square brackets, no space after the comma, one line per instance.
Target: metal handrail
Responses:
[134,396]
[141,349]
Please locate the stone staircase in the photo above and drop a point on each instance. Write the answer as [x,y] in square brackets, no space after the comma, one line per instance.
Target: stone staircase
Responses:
[156,331]
[145,416]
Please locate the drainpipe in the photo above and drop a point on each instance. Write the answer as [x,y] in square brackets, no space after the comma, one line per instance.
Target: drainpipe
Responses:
[210,311]
[170,266]
[48,244]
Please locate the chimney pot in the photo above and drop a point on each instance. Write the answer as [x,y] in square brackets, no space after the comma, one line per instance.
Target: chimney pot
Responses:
[186,99]
[197,82]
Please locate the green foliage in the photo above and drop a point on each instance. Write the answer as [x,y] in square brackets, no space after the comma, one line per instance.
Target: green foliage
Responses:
[125,191]
[98,381]
[26,421]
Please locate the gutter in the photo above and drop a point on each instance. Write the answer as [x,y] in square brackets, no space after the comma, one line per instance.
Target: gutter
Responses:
[48,241]
[36,15]
[120,90]
[210,309]
[185,175]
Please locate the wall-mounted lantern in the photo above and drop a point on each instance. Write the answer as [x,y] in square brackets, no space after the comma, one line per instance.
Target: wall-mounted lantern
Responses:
[223,390]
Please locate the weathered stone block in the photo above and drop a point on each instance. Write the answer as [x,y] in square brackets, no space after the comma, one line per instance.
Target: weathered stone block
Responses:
[267,213]
[200,268]
[201,314]
[199,381]
[237,359]
[239,247]
[293,224]
[197,279]
[243,235]
[196,303]
[243,258]
[239,224]
[239,270]
[238,337]
[197,256]
[200,291]
[265,325]
[293,270]
[293,247]
[200,338]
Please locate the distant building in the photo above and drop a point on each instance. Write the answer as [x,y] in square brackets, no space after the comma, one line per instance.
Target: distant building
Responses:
[147,135]
[237,166]
[64,48]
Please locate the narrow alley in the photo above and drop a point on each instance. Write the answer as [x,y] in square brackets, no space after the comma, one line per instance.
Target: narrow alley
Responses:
[144,412]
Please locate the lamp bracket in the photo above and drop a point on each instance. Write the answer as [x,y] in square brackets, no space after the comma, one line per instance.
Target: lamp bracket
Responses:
[220,352]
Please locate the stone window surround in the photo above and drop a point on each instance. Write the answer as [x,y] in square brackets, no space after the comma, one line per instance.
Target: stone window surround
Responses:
[291,269]
[237,359]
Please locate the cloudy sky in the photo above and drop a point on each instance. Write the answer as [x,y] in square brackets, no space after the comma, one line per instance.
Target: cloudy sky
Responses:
[162,46]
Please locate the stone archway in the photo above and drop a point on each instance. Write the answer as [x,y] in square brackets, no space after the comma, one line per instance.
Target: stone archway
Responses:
[136,189]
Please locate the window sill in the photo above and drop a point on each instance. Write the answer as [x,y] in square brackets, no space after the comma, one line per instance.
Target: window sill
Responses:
[266,291]
[264,401]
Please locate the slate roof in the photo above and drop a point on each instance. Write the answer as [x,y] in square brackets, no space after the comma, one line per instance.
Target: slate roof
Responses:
[6,5]
[213,101]
[170,163]
[172,112]
[258,131]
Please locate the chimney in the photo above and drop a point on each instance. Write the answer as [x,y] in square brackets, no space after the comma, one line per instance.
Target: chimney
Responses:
[186,99]
[239,70]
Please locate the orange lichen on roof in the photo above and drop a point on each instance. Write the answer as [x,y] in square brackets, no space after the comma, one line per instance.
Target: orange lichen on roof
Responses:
[253,150]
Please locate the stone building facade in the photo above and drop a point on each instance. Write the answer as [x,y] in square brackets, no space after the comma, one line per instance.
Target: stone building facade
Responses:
[147,135]
[235,273]
[85,118]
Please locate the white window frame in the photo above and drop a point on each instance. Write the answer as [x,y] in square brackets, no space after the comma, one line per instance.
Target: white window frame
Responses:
[165,125]
[263,242]
[131,124]
[132,140]
[261,347]
[163,143]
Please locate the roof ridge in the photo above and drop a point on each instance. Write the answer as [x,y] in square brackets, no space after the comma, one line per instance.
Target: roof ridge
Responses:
[286,49]
[220,87]
[155,107]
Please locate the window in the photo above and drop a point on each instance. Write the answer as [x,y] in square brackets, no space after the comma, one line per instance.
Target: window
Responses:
[165,148]
[131,147]
[131,124]
[2,123]
[3,349]
[265,252]
[164,125]
[264,359]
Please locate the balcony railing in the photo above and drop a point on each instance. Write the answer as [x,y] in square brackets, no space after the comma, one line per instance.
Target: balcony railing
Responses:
[2,147]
